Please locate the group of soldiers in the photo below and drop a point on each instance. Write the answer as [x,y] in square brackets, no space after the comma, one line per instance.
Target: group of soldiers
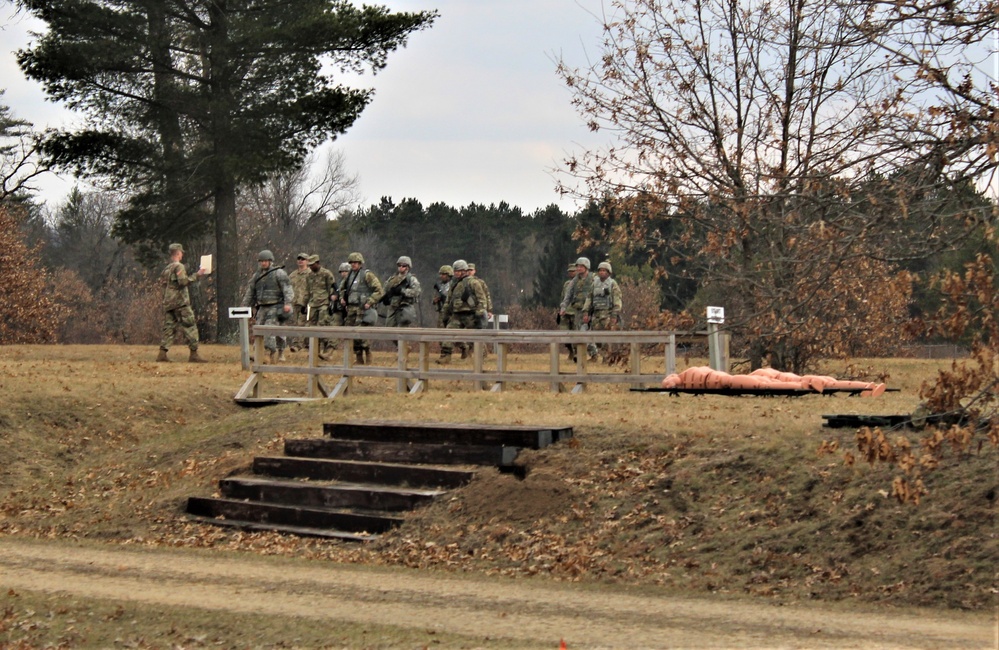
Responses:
[589,302]
[312,295]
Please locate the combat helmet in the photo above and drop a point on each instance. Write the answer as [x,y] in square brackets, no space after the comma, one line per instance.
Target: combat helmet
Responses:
[176,247]
[605,265]
[460,265]
[344,267]
[446,270]
[355,257]
[584,262]
[265,255]
[404,260]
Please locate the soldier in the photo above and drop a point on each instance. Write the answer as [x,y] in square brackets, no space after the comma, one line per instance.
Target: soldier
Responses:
[337,311]
[299,278]
[177,305]
[565,322]
[465,307]
[440,292]
[359,294]
[485,287]
[574,312]
[321,286]
[402,290]
[270,293]
[605,304]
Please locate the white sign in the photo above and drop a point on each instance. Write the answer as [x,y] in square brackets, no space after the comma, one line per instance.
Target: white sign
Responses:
[716,314]
[206,264]
[240,312]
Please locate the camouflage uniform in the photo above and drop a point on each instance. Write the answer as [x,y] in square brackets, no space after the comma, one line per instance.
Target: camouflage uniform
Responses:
[269,291]
[606,305]
[440,297]
[177,310]
[401,292]
[465,308]
[320,286]
[299,279]
[360,288]
[564,321]
[576,304]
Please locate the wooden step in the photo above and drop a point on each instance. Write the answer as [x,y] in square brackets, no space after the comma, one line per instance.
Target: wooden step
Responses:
[303,493]
[302,531]
[400,452]
[531,437]
[857,421]
[323,469]
[273,513]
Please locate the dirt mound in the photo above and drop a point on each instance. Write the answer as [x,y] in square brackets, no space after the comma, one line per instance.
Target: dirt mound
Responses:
[494,496]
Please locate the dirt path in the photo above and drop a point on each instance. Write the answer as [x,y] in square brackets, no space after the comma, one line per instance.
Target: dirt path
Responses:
[519,611]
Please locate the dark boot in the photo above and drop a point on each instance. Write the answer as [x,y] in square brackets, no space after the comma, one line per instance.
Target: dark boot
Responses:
[359,358]
[162,357]
[194,358]
[444,359]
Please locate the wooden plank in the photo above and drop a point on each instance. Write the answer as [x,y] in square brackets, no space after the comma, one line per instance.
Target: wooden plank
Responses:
[302,531]
[464,433]
[270,513]
[303,493]
[857,421]
[395,452]
[322,469]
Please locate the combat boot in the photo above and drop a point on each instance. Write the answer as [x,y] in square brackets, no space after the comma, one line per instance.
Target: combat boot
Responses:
[281,355]
[464,353]
[272,357]
[359,358]
[194,358]
[444,359]
[367,357]
[162,357]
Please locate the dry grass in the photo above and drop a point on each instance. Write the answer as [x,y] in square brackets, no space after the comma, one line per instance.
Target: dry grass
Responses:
[697,494]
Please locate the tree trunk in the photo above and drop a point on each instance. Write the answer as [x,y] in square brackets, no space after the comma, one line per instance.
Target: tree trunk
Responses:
[227,250]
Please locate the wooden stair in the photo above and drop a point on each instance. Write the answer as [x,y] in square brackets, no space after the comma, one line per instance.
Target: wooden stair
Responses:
[358,480]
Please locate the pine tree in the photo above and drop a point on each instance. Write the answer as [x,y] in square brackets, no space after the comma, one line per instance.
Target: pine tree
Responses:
[186,101]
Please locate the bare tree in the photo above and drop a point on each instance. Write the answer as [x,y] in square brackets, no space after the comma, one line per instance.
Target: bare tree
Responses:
[20,164]
[774,131]
[290,211]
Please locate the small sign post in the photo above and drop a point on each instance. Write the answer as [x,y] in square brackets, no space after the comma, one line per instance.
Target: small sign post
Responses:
[243,314]
[716,317]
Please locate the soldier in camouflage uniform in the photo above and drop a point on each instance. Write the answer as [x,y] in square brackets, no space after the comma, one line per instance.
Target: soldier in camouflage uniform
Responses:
[559,318]
[337,311]
[465,307]
[299,279]
[322,287]
[441,289]
[402,290]
[360,292]
[270,293]
[605,304]
[177,305]
[574,312]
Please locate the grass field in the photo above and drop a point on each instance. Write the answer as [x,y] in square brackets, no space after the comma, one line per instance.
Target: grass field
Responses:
[702,495]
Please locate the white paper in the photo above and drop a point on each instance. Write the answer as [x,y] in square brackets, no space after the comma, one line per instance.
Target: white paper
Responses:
[206,263]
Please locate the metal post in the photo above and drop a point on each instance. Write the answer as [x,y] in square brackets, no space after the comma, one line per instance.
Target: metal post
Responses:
[243,314]
[716,316]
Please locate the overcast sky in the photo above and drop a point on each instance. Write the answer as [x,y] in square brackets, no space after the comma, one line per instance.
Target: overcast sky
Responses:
[470,111]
